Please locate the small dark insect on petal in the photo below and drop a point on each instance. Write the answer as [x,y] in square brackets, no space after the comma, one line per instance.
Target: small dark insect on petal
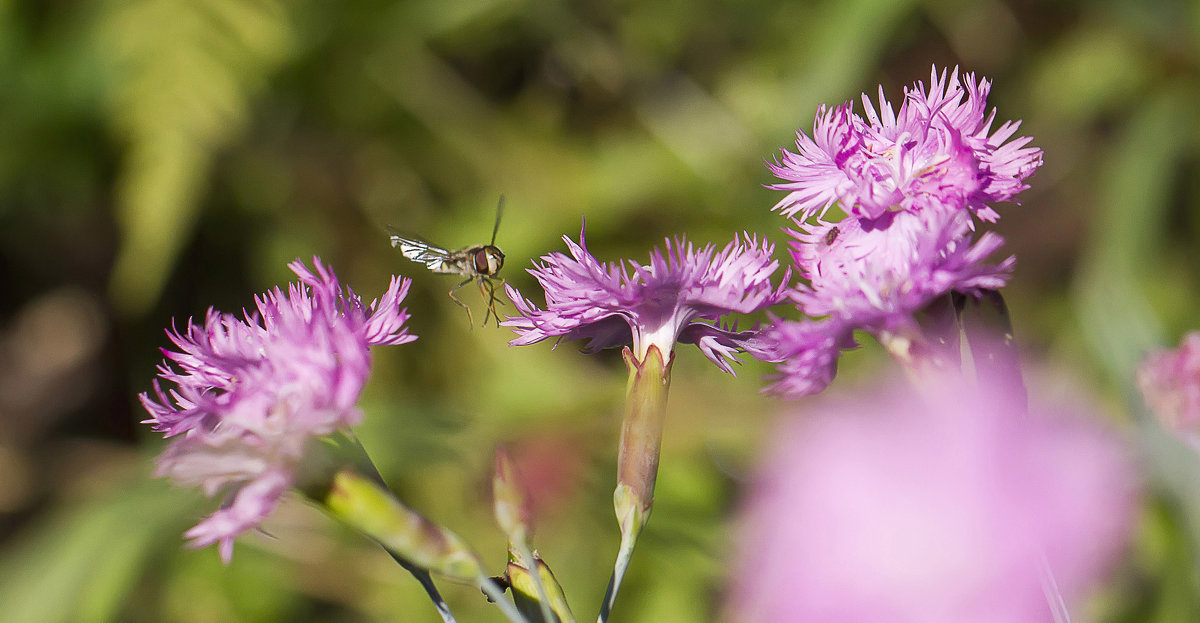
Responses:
[831,235]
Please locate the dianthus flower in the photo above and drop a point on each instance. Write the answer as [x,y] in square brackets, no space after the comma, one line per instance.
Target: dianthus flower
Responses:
[657,304]
[943,506]
[875,278]
[652,306]
[251,391]
[1170,383]
[807,352]
[938,151]
[910,183]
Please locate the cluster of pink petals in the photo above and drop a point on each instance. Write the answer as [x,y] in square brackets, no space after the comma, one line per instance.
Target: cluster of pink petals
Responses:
[807,352]
[860,275]
[876,277]
[948,506]
[938,150]
[250,392]
[911,184]
[1170,383]
[660,303]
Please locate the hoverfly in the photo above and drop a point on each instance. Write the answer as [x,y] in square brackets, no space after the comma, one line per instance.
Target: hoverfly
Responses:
[478,263]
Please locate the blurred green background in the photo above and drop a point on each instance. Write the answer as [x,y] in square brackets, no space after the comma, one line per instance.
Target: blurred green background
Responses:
[162,156]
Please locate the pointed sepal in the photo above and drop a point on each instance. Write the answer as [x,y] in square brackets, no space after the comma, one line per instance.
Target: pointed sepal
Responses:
[526,593]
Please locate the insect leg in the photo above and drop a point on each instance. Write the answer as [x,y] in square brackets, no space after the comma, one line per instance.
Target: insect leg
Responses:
[487,288]
[488,291]
[461,304]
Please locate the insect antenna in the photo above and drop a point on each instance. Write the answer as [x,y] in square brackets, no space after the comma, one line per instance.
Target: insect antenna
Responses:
[499,213]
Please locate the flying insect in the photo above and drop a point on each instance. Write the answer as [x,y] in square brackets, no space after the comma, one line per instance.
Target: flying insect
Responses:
[479,263]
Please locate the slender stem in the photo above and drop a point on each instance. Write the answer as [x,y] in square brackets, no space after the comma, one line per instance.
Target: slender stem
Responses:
[342,457]
[494,593]
[426,581]
[614,584]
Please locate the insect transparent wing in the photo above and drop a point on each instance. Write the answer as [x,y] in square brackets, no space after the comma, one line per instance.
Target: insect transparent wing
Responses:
[433,257]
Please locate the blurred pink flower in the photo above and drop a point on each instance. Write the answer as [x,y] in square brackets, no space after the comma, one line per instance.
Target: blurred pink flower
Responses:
[1170,384]
[932,508]
[250,392]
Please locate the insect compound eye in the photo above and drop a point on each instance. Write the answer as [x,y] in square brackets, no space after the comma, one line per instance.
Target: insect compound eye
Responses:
[482,262]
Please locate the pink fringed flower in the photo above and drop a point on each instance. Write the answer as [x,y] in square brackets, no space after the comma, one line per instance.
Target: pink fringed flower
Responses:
[938,151]
[860,275]
[659,303]
[251,391]
[807,352]
[875,278]
[948,506]
[1170,383]
[911,183]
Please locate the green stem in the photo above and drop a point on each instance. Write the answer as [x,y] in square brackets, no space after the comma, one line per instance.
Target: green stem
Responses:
[327,459]
[628,541]
[638,455]
[363,503]
[422,576]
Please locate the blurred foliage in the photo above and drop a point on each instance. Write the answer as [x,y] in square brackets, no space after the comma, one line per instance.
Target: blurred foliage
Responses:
[162,156]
